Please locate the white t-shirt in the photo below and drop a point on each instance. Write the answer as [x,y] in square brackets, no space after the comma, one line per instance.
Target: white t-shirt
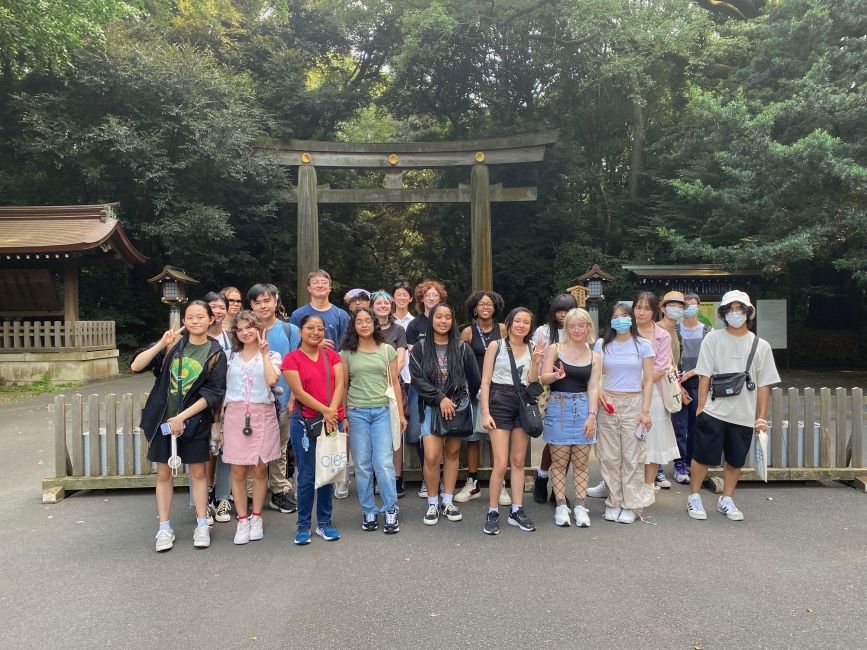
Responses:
[239,373]
[404,323]
[623,364]
[722,353]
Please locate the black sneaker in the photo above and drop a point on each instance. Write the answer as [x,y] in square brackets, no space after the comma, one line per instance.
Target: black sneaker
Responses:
[521,520]
[432,516]
[401,490]
[369,521]
[540,489]
[282,502]
[451,512]
[392,522]
[492,523]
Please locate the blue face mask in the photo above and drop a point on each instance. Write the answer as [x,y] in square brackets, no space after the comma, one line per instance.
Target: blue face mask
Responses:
[621,324]
[690,311]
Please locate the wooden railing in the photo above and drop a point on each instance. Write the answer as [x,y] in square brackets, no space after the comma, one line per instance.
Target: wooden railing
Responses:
[98,445]
[37,336]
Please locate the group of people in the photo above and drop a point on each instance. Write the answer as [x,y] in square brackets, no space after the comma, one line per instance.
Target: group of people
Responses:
[243,395]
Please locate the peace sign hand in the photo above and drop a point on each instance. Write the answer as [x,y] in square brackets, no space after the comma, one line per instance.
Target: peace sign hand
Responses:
[170,336]
[538,355]
[559,371]
[264,348]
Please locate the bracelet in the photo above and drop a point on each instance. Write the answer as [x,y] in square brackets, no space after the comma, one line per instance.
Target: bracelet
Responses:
[762,420]
[591,414]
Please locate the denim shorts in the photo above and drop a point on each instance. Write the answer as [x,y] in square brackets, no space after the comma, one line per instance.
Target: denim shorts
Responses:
[565,416]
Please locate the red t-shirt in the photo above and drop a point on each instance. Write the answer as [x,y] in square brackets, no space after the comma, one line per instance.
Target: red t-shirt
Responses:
[312,374]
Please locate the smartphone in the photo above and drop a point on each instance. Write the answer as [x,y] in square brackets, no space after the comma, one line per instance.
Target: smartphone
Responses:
[166,429]
[640,432]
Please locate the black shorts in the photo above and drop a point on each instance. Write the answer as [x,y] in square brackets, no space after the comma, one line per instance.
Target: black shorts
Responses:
[503,406]
[711,438]
[197,450]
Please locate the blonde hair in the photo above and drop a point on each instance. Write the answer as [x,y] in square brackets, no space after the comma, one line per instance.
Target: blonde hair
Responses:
[578,315]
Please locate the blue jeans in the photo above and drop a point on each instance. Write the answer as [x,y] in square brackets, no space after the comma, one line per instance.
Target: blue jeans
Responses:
[372,454]
[305,464]
[683,422]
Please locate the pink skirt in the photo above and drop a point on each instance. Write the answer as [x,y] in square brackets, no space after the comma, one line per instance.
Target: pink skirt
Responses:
[262,445]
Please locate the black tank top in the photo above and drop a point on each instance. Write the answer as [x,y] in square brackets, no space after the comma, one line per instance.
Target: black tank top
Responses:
[576,378]
[479,342]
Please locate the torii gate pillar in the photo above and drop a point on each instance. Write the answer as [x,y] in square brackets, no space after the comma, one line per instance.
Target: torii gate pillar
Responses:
[480,228]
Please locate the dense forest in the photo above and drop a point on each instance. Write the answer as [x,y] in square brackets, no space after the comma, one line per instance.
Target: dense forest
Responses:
[718,131]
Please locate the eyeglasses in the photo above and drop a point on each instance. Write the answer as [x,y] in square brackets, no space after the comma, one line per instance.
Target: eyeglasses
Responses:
[577,327]
[233,301]
[485,305]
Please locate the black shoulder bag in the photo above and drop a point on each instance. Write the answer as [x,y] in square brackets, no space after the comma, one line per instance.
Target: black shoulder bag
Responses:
[461,423]
[528,409]
[313,426]
[730,384]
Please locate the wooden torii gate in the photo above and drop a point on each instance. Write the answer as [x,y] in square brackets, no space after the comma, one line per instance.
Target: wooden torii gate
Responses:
[394,158]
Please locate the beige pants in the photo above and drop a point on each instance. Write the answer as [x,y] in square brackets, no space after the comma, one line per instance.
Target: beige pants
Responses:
[277,479]
[621,453]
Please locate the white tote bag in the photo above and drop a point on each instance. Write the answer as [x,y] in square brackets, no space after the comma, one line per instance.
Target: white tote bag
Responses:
[331,458]
[393,412]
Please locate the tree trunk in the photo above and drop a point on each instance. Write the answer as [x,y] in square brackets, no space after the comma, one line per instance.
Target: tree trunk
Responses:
[637,143]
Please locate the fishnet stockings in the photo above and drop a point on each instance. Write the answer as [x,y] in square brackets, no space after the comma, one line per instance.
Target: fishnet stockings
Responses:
[561,456]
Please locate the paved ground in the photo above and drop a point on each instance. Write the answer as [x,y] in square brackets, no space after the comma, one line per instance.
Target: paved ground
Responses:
[83,573]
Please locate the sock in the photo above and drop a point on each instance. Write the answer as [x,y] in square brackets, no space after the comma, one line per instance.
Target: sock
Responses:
[257,514]
[497,510]
[561,502]
[240,518]
[474,476]
[166,525]
[447,499]
[433,501]
[201,521]
[516,507]
[542,473]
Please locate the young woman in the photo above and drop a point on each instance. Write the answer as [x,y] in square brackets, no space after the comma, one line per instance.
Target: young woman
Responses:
[402,293]
[442,368]
[627,367]
[572,370]
[544,336]
[500,411]
[191,380]
[428,294]
[483,306]
[315,377]
[233,300]
[395,335]
[369,366]
[251,434]
[661,444]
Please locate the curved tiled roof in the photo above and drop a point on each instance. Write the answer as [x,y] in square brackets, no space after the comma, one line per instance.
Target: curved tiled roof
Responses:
[53,229]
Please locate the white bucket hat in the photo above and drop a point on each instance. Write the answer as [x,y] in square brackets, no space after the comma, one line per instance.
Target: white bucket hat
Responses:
[735,296]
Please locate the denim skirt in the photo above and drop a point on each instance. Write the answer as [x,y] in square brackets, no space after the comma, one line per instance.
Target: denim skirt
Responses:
[564,419]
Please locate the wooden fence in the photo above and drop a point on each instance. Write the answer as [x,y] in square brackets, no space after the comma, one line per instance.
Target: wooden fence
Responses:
[56,336]
[97,443]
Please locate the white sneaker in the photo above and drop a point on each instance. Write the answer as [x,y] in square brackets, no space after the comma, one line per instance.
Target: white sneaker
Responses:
[611,514]
[223,512]
[422,490]
[662,481]
[341,490]
[582,516]
[242,532]
[165,539]
[729,509]
[626,517]
[505,499]
[694,507]
[210,515]
[598,491]
[647,496]
[469,491]
[683,479]
[561,516]
[256,530]
[202,537]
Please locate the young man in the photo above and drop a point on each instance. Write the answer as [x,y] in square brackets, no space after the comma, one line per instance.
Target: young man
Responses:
[356,299]
[336,323]
[725,424]
[691,332]
[671,306]
[283,337]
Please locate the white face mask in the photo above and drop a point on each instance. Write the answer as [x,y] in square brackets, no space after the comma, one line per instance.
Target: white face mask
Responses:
[736,318]
[674,312]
